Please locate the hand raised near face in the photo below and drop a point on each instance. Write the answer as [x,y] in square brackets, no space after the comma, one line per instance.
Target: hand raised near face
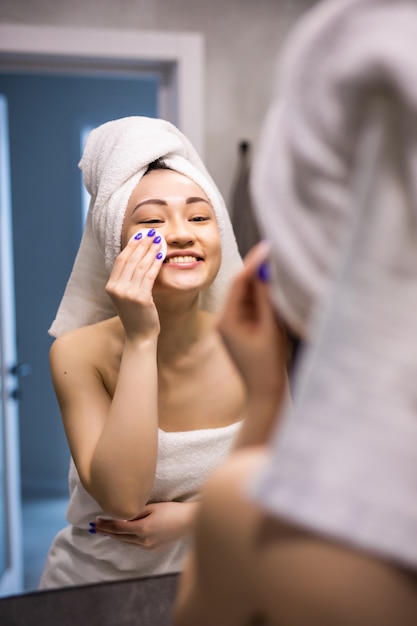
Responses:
[250,328]
[131,282]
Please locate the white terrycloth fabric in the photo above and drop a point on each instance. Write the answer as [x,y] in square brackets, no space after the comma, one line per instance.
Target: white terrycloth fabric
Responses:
[115,158]
[335,188]
[76,557]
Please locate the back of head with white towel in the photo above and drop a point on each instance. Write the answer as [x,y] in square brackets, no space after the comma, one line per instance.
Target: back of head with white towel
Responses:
[335,189]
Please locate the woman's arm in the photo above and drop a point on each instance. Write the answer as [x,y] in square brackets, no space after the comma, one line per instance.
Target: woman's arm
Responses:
[114,440]
[158,525]
[258,345]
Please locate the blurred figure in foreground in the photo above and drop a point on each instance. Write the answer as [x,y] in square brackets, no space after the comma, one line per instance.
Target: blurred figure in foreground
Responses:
[317,524]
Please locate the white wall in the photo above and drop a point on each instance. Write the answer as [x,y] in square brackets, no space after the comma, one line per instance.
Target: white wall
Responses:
[242,39]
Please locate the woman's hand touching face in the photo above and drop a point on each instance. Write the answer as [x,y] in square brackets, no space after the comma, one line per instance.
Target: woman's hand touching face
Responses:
[131,282]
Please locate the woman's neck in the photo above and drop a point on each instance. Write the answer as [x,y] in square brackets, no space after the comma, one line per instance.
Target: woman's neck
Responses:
[183,324]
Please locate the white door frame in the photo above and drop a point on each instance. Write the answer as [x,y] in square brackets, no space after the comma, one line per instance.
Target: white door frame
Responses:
[11,580]
[177,57]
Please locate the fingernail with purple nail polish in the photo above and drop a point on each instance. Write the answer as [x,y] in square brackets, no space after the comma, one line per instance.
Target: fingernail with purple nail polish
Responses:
[264,272]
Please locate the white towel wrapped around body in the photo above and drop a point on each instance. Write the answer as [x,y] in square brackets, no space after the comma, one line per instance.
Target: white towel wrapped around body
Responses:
[185,459]
[115,158]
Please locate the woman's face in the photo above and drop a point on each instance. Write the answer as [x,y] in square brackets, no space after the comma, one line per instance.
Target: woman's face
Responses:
[178,209]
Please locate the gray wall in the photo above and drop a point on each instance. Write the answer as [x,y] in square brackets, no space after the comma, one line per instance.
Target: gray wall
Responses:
[243,39]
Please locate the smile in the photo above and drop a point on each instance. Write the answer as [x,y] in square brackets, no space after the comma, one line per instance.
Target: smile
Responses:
[182,259]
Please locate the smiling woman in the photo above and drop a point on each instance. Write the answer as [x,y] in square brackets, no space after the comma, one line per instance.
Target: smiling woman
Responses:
[177,208]
[137,355]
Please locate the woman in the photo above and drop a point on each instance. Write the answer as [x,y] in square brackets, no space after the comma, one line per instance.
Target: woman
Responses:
[321,520]
[150,399]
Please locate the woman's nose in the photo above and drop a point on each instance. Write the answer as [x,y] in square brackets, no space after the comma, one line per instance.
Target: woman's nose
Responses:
[180,233]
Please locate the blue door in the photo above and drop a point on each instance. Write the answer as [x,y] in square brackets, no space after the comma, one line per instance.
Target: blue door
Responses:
[48,115]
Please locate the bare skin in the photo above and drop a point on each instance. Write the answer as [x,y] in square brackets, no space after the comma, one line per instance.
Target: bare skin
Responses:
[248,568]
[159,363]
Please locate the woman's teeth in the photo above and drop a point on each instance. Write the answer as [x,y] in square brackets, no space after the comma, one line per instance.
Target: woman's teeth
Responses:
[181,259]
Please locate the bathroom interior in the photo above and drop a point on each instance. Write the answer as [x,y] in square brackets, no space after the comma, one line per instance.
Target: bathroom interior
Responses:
[65,68]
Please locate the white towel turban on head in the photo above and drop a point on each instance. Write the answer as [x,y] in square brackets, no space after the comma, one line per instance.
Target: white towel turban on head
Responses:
[115,158]
[335,188]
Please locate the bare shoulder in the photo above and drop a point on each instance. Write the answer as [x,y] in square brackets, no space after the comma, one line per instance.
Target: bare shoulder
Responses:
[86,346]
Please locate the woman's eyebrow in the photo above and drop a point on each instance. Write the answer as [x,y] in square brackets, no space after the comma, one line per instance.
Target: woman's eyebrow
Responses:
[193,199]
[156,201]
[160,202]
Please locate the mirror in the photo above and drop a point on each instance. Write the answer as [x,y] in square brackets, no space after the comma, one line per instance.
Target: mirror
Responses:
[42,75]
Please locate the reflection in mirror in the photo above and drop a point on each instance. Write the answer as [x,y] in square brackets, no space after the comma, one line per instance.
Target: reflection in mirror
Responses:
[136,54]
[135,360]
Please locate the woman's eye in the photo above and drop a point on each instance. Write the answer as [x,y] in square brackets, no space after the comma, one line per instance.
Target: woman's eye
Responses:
[200,218]
[151,221]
